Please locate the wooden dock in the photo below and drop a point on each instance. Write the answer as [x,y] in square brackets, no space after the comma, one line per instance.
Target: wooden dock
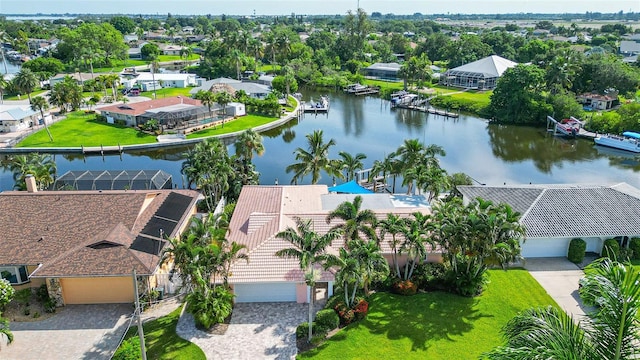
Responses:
[359,90]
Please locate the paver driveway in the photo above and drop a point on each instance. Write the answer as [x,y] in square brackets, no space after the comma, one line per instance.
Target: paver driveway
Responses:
[75,332]
[256,331]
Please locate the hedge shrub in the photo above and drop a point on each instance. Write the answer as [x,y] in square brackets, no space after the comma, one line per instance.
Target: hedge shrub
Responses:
[430,276]
[302,331]
[611,249]
[577,249]
[634,245]
[327,319]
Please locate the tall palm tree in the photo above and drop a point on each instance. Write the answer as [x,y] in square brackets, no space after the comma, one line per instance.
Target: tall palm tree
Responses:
[372,264]
[351,163]
[310,250]
[41,166]
[349,275]
[25,82]
[355,220]
[313,160]
[415,241]
[611,331]
[3,86]
[248,143]
[207,98]
[40,104]
[223,98]
[154,65]
[393,225]
[410,153]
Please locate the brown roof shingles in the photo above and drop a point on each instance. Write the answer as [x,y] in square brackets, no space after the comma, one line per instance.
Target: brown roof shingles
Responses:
[55,229]
[141,107]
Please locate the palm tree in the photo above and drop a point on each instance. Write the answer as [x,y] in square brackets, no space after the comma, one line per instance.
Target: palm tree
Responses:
[310,250]
[248,143]
[3,86]
[351,163]
[154,65]
[238,58]
[25,82]
[356,221]
[223,98]
[40,104]
[372,264]
[410,154]
[207,98]
[415,239]
[313,160]
[349,275]
[393,225]
[41,166]
[611,331]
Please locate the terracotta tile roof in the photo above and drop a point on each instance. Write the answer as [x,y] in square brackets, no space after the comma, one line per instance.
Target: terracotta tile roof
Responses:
[81,233]
[263,211]
[141,107]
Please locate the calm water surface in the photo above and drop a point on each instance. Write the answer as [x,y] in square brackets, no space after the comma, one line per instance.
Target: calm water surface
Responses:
[491,154]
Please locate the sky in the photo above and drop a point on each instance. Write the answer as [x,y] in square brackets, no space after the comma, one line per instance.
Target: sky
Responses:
[312,7]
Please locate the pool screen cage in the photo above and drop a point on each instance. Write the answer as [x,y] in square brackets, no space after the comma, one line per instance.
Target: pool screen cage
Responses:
[469,79]
[178,118]
[114,180]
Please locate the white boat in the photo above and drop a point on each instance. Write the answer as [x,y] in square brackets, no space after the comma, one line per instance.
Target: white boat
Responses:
[629,141]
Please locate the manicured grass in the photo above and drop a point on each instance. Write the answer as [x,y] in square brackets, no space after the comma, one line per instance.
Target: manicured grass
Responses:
[269,68]
[241,123]
[80,129]
[483,98]
[23,96]
[168,92]
[161,339]
[385,84]
[118,66]
[436,325]
[162,58]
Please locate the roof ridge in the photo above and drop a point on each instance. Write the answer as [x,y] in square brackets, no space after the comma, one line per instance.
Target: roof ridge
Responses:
[524,215]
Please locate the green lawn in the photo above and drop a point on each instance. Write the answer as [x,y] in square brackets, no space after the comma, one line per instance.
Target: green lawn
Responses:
[80,129]
[168,92]
[163,58]
[241,123]
[161,339]
[23,96]
[483,98]
[435,325]
[269,68]
[384,84]
[118,66]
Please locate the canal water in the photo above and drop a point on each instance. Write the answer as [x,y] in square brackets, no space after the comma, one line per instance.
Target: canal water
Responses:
[490,154]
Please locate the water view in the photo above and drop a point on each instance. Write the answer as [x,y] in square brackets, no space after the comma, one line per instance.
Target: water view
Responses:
[491,154]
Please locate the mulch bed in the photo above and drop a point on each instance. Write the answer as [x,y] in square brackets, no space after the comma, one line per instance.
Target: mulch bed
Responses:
[220,329]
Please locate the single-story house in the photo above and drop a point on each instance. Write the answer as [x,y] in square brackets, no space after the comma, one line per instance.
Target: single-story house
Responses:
[382,71]
[628,47]
[80,78]
[263,211]
[170,112]
[84,245]
[555,214]
[592,101]
[172,49]
[20,117]
[252,89]
[481,74]
[165,80]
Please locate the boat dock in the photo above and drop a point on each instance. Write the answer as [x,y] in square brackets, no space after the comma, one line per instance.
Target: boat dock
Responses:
[317,107]
[358,90]
[571,127]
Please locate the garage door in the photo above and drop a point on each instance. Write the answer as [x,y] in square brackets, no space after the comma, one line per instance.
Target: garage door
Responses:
[103,290]
[545,247]
[265,292]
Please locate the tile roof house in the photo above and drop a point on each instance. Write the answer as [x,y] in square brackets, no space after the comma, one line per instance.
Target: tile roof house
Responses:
[84,245]
[133,114]
[263,211]
[555,214]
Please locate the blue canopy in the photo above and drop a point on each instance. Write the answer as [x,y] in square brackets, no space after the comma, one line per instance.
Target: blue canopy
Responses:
[631,134]
[350,187]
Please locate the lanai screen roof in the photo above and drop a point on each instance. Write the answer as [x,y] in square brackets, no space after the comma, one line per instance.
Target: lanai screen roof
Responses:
[114,180]
[491,66]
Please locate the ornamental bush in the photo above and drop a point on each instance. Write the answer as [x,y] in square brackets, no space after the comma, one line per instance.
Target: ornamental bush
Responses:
[6,293]
[405,287]
[430,276]
[577,248]
[634,245]
[611,249]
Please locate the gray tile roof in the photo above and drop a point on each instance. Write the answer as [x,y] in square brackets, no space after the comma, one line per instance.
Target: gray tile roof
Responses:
[570,210]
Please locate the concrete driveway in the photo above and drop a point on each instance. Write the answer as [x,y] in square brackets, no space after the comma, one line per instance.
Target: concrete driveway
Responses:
[559,277]
[74,332]
[256,331]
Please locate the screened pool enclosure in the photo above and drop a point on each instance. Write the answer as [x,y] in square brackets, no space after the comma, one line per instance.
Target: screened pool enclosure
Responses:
[114,180]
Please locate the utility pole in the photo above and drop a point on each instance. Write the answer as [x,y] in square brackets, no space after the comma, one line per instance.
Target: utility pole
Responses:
[143,352]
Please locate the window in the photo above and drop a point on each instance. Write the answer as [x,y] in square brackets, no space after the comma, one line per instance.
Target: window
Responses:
[15,274]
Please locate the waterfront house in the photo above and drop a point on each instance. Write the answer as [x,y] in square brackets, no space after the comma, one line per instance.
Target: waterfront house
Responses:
[79,77]
[555,214]
[146,79]
[20,117]
[84,245]
[171,49]
[263,211]
[482,74]
[595,101]
[170,112]
[382,71]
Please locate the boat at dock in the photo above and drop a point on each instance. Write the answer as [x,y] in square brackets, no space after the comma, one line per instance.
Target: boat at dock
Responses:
[570,127]
[359,89]
[321,106]
[628,141]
